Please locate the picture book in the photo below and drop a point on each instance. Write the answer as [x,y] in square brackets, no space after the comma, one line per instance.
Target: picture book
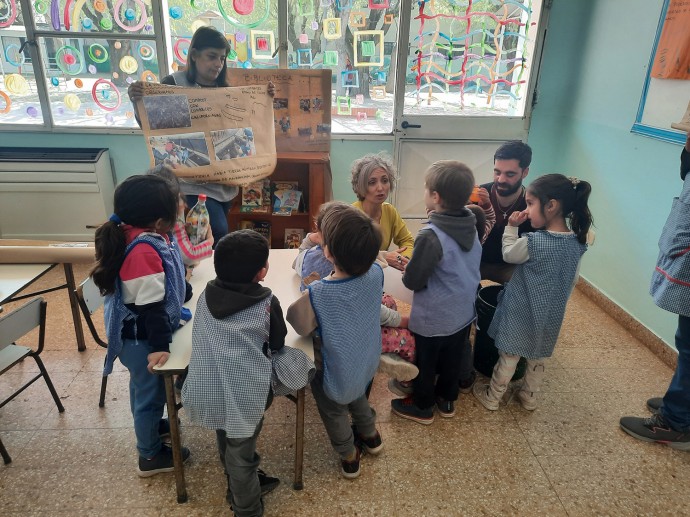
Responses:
[279,188]
[287,203]
[256,197]
[264,228]
[293,238]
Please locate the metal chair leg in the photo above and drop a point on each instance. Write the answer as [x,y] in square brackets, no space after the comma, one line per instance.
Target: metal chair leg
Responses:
[46,377]
[5,455]
[104,383]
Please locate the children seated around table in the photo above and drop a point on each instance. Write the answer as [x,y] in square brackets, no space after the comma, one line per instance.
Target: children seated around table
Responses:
[342,313]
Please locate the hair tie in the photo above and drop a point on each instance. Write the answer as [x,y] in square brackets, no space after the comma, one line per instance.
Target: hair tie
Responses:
[574,181]
[114,218]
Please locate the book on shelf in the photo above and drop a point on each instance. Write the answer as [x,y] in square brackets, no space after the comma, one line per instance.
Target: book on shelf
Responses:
[264,228]
[288,202]
[256,197]
[293,238]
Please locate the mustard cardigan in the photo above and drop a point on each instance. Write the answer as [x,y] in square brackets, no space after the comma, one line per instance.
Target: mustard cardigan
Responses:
[393,229]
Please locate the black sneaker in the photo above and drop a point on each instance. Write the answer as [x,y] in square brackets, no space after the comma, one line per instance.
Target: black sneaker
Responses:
[655,429]
[406,408]
[161,462]
[446,408]
[350,468]
[267,483]
[466,386]
[654,404]
[373,445]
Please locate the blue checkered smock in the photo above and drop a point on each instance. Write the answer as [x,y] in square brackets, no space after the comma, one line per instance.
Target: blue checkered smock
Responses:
[671,279]
[531,307]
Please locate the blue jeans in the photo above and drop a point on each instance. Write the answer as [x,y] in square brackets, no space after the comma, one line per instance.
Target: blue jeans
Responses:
[676,408]
[146,396]
[217,213]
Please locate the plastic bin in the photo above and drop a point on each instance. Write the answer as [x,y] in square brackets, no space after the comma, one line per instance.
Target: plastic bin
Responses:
[485,352]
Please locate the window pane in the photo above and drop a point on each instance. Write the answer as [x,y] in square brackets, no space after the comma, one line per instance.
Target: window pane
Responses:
[112,16]
[19,102]
[253,34]
[87,79]
[470,59]
[355,39]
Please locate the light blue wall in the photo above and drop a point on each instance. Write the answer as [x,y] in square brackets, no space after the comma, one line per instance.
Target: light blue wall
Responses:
[595,63]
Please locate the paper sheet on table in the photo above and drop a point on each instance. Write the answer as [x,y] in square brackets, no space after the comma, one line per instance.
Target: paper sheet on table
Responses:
[392,284]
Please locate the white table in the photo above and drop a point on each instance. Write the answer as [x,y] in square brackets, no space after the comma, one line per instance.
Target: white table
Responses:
[284,283]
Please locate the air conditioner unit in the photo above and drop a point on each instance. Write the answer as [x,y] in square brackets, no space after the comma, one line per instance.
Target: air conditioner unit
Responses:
[54,193]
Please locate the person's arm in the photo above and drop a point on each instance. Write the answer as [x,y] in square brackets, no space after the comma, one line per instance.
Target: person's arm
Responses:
[515,249]
[389,317]
[278,331]
[135,91]
[402,237]
[301,315]
[191,252]
[305,246]
[427,254]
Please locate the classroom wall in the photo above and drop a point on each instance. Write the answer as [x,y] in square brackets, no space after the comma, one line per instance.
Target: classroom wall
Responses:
[594,67]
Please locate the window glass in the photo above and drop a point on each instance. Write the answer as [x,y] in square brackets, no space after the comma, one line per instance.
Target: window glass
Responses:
[356,40]
[94,16]
[19,103]
[251,27]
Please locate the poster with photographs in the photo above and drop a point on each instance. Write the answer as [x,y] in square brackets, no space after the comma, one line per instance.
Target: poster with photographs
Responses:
[301,106]
[210,135]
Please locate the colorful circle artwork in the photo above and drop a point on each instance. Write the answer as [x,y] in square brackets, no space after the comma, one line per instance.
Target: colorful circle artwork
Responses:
[106,24]
[236,22]
[117,45]
[128,64]
[72,102]
[240,37]
[32,111]
[196,4]
[15,83]
[78,83]
[100,6]
[148,76]
[40,7]
[115,75]
[246,64]
[130,15]
[105,94]
[175,13]
[314,25]
[89,112]
[175,66]
[13,56]
[69,60]
[146,51]
[60,110]
[129,114]
[98,53]
[180,50]
[54,81]
[92,69]
[8,19]
[8,102]
[232,55]
[243,7]
[87,23]
[109,118]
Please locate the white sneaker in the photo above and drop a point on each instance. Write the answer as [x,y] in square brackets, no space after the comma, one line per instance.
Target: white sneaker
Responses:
[395,366]
[528,400]
[482,392]
[398,388]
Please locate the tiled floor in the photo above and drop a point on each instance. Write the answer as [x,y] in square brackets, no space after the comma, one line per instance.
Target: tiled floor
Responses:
[566,458]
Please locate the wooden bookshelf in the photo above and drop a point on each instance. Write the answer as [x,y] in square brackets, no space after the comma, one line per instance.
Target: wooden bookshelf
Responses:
[312,171]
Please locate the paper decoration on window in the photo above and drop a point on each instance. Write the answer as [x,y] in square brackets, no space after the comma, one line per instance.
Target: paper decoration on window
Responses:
[332,28]
[379,4]
[303,39]
[349,78]
[359,98]
[358,19]
[343,4]
[305,7]
[262,44]
[381,76]
[304,57]
[343,106]
[378,92]
[330,58]
[366,48]
[388,19]
[361,115]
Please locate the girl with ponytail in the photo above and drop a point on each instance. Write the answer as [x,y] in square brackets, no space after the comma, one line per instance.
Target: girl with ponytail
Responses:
[530,309]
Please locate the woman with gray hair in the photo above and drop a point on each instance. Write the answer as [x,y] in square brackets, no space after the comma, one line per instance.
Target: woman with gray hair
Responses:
[373,178]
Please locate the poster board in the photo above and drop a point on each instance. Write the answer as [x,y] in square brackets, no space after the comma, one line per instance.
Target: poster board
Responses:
[666,91]
[210,135]
[301,105]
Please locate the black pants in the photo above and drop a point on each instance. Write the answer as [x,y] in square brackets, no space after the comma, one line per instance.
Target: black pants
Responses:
[443,355]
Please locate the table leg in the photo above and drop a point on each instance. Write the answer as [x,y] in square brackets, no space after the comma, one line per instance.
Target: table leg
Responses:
[175,439]
[76,317]
[299,441]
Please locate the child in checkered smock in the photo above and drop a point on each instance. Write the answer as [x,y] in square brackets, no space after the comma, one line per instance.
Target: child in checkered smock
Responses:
[531,307]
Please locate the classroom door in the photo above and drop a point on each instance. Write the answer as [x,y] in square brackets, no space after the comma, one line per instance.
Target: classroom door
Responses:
[466,87]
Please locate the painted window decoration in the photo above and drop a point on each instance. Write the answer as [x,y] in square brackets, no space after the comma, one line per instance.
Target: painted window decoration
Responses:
[470,59]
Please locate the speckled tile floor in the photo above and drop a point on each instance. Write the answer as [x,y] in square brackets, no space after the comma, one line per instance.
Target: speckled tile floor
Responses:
[566,458]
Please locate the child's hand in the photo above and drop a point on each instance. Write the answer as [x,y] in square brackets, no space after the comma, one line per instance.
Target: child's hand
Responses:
[396,260]
[157,359]
[517,218]
[209,236]
[484,198]
[136,91]
[315,238]
[404,322]
[271,89]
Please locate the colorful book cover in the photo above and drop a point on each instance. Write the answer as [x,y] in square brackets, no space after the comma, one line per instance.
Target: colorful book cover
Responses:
[293,238]
[264,228]
[252,197]
[288,202]
[279,188]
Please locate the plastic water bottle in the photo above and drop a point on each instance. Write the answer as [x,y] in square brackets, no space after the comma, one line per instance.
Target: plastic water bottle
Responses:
[198,221]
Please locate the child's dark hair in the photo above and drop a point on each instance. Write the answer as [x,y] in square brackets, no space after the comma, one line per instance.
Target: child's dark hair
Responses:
[515,150]
[453,181]
[207,37]
[140,201]
[240,255]
[352,239]
[164,171]
[572,194]
[337,206]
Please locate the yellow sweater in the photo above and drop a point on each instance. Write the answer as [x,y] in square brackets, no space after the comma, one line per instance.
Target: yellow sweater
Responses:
[393,229]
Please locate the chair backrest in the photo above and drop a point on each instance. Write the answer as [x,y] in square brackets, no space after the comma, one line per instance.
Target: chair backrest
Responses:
[22,321]
[90,300]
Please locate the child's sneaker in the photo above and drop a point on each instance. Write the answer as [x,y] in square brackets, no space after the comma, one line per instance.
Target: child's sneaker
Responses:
[395,366]
[373,445]
[482,392]
[527,399]
[161,462]
[466,386]
[350,468]
[406,408]
[446,408]
[400,388]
